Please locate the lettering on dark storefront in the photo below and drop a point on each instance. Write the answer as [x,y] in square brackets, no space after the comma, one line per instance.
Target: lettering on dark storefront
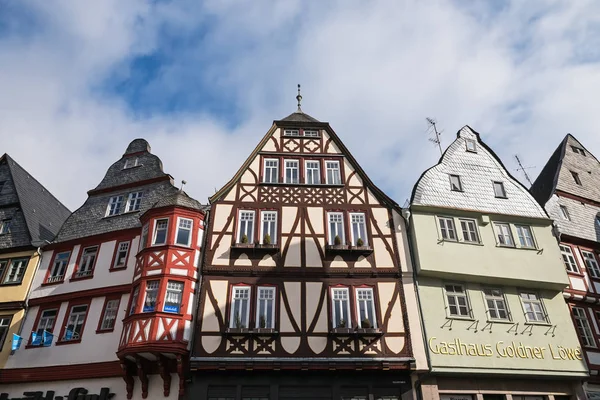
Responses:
[74,394]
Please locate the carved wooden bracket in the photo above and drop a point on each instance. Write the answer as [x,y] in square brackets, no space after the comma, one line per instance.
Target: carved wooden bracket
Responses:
[143,377]
[128,379]
[181,373]
[163,368]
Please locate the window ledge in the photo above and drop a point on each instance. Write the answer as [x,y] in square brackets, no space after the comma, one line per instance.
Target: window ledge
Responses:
[64,342]
[53,283]
[460,242]
[12,283]
[237,331]
[538,323]
[121,214]
[345,248]
[499,321]
[505,246]
[100,331]
[81,278]
[255,247]
[458,318]
[578,274]
[117,269]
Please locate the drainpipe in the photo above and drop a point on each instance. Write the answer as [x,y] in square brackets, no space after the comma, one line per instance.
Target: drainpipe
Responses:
[411,250]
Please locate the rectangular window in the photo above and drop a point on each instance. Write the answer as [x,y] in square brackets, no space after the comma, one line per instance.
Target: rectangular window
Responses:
[74,328]
[458,303]
[311,133]
[499,190]
[246,227]
[292,171]
[455,183]
[160,231]
[341,308]
[59,267]
[271,170]
[469,230]
[564,213]
[447,228]
[87,262]
[591,263]
[265,308]
[114,205]
[313,172]
[504,235]
[134,200]
[46,322]
[336,228]
[109,317]
[365,308]
[268,232]
[144,238]
[291,132]
[568,258]
[5,226]
[496,304]
[16,270]
[332,168]
[3,264]
[4,326]
[173,297]
[121,256]
[525,236]
[240,307]
[134,300]
[578,150]
[358,229]
[471,146]
[534,311]
[184,232]
[583,327]
[131,162]
[151,296]
[576,178]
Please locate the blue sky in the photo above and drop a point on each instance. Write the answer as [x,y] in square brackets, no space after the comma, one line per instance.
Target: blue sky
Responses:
[203,80]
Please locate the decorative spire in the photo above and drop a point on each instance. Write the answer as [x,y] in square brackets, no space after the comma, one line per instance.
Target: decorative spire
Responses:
[299,98]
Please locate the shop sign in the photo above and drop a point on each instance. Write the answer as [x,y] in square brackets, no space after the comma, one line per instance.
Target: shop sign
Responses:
[503,349]
[456,397]
[74,394]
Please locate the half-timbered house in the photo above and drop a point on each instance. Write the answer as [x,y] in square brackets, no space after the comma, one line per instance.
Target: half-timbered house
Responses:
[307,288]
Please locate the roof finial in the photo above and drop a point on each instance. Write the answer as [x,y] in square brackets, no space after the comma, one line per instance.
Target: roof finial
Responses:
[183,182]
[299,98]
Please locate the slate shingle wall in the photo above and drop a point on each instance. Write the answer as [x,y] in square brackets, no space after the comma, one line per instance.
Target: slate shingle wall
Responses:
[19,234]
[8,194]
[583,218]
[587,168]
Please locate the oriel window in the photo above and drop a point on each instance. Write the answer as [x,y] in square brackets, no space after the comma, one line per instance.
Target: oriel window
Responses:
[134,299]
[173,297]
[151,296]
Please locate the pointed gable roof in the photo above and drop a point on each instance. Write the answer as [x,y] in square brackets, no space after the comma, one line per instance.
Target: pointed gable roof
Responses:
[43,213]
[477,170]
[556,174]
[293,120]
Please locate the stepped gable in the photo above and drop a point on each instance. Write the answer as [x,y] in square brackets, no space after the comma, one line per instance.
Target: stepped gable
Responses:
[35,214]
[477,170]
[146,176]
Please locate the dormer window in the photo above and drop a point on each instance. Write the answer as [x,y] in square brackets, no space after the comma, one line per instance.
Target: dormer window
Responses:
[114,205]
[578,150]
[5,226]
[291,132]
[134,200]
[499,190]
[131,162]
[576,178]
[455,183]
[471,146]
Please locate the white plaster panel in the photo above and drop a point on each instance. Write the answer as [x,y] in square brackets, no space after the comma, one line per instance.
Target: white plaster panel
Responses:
[355,180]
[187,330]
[317,344]
[313,295]
[243,261]
[577,283]
[179,271]
[135,242]
[154,272]
[315,216]
[267,261]
[290,344]
[210,322]
[211,343]
[292,258]
[293,294]
[593,357]
[362,262]
[254,167]
[285,323]
[383,258]
[222,254]
[395,344]
[313,257]
[288,216]
[338,262]
[190,304]
[321,326]
[220,214]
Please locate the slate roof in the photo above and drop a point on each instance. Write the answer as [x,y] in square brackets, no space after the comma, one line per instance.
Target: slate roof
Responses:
[36,215]
[300,117]
[556,174]
[147,177]
[180,199]
[477,170]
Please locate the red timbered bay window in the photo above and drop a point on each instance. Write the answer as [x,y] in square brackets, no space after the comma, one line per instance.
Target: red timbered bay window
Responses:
[86,263]
[58,267]
[108,317]
[363,311]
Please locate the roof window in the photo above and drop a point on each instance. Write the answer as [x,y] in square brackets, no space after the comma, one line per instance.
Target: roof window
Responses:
[471,146]
[455,183]
[578,150]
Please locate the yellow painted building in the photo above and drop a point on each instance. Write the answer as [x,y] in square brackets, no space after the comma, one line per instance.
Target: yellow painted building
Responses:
[29,217]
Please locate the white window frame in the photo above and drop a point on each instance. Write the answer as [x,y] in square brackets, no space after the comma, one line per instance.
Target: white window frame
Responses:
[469,226]
[20,266]
[175,289]
[498,231]
[331,236]
[271,228]
[111,309]
[134,201]
[311,133]
[471,146]
[456,295]
[499,190]
[496,301]
[312,170]
[590,259]
[181,220]
[446,224]
[155,231]
[46,323]
[87,262]
[291,132]
[583,327]
[338,308]
[268,170]
[564,212]
[54,275]
[77,318]
[271,302]
[291,168]
[455,183]
[151,287]
[354,239]
[5,321]
[576,177]
[370,303]
[144,237]
[235,290]
[538,301]
[5,226]
[249,233]
[335,168]
[128,163]
[118,254]
[568,257]
[525,233]
[134,299]
[115,204]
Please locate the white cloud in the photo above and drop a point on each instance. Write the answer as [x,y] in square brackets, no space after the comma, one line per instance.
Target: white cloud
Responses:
[523,75]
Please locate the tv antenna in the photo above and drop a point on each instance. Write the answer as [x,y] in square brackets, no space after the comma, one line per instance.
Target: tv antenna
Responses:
[523,170]
[436,139]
